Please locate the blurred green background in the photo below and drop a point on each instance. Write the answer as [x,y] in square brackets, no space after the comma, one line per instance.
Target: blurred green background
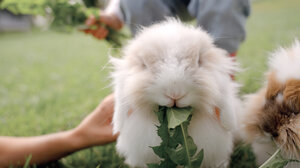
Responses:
[49,80]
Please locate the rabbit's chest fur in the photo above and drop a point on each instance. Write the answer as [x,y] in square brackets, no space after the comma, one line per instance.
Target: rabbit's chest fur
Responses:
[139,133]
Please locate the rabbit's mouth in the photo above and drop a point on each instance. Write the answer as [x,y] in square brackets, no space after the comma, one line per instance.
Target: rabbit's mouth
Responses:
[176,101]
[289,142]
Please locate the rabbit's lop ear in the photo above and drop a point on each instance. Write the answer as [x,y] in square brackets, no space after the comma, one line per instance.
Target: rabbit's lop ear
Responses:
[121,107]
[291,95]
[121,111]
[218,60]
[116,62]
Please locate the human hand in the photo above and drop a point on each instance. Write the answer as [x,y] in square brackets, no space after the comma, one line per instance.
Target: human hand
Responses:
[96,128]
[105,19]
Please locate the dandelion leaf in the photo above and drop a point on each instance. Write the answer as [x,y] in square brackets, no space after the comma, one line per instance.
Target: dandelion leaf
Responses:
[276,161]
[163,132]
[185,153]
[177,147]
[176,116]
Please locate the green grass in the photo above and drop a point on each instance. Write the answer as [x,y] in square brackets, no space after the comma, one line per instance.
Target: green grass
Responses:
[49,81]
[45,75]
[272,23]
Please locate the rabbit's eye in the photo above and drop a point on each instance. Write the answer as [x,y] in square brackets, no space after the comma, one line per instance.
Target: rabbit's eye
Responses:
[143,65]
[199,61]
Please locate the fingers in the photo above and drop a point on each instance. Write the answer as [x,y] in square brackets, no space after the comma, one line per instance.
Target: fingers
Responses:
[99,33]
[105,109]
[91,20]
[111,21]
[107,136]
[86,31]
[110,98]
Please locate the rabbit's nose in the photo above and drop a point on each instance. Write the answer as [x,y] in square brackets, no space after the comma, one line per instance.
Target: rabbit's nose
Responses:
[274,134]
[174,99]
[272,131]
[172,102]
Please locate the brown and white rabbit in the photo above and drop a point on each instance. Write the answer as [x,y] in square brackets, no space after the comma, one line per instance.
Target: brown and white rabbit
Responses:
[172,64]
[272,118]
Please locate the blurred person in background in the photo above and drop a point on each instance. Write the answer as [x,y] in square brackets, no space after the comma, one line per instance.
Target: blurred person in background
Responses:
[224,19]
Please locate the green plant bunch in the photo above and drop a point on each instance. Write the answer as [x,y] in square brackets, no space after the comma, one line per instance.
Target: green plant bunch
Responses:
[177,147]
[66,15]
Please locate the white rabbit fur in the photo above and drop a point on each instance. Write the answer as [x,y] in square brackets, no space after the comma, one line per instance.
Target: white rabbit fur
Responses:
[172,59]
[284,65]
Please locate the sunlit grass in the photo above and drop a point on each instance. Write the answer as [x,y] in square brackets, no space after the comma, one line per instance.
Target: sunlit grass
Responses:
[49,81]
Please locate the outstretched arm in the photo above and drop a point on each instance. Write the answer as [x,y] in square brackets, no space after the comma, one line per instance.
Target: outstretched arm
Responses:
[95,129]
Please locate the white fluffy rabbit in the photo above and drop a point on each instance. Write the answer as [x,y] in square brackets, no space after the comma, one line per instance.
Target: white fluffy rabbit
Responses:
[272,118]
[172,64]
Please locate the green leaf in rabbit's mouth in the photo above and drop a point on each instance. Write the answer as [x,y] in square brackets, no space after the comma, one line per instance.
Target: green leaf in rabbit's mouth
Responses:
[177,147]
[176,116]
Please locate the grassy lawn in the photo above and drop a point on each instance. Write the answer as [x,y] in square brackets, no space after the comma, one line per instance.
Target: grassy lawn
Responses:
[49,81]
[272,23]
